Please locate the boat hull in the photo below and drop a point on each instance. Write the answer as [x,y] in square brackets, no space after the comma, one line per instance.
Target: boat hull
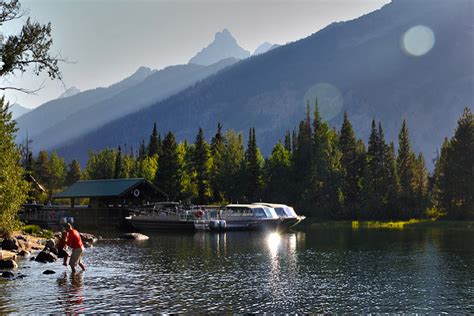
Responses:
[161,225]
[260,224]
[289,222]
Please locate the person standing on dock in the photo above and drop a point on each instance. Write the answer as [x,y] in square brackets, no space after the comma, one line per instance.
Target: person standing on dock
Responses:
[75,242]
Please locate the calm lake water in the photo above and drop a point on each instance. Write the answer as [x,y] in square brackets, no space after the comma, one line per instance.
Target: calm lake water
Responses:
[320,270]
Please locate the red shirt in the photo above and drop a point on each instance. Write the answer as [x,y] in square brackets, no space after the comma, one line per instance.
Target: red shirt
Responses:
[74,239]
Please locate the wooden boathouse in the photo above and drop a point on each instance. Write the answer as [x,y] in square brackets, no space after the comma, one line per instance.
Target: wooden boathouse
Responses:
[108,202]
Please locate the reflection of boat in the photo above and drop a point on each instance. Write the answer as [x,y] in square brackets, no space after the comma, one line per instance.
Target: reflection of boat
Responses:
[165,216]
[286,213]
[244,217]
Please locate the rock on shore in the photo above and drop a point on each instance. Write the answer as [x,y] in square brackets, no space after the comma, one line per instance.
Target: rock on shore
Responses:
[135,236]
[8,264]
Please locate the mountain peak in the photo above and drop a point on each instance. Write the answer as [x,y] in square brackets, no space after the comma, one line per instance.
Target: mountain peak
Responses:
[224,46]
[264,47]
[69,92]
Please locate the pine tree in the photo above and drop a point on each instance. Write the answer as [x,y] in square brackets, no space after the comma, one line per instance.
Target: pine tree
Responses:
[392,190]
[41,168]
[118,163]
[350,167]
[142,152]
[169,174]
[154,144]
[232,177]
[373,181]
[13,189]
[74,173]
[253,168]
[405,168]
[438,194]
[324,194]
[201,166]
[288,145]
[217,166]
[459,175]
[217,139]
[420,180]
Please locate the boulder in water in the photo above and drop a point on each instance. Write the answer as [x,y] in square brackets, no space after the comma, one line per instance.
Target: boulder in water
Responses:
[88,238]
[24,253]
[135,236]
[46,256]
[49,272]
[8,264]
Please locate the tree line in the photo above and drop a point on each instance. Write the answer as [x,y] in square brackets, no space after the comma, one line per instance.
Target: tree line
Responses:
[323,172]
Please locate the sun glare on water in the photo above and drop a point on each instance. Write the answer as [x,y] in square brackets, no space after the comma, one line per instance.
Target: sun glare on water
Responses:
[273,242]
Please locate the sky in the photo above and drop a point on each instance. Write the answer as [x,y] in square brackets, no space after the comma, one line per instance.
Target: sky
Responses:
[108,40]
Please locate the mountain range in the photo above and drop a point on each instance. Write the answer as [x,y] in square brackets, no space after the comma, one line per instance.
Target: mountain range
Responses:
[360,66]
[18,110]
[75,113]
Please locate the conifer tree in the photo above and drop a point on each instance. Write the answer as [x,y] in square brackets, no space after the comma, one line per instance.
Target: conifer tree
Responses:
[74,173]
[439,197]
[324,194]
[201,164]
[420,181]
[142,152]
[350,168]
[154,144]
[232,176]
[41,167]
[118,163]
[216,170]
[373,182]
[392,191]
[459,175]
[253,168]
[288,145]
[405,168]
[169,174]
[217,139]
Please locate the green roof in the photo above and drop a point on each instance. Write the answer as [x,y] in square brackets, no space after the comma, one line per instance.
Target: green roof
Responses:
[99,188]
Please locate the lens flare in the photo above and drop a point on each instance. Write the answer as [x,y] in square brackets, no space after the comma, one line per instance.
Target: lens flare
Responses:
[418,40]
[330,100]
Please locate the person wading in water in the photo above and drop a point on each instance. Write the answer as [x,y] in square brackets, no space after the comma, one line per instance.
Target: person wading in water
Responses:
[75,242]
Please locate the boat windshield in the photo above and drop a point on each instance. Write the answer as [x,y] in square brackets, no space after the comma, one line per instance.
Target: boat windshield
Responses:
[280,211]
[290,212]
[259,212]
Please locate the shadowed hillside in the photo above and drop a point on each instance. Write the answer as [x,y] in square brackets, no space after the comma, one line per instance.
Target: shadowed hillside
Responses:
[365,66]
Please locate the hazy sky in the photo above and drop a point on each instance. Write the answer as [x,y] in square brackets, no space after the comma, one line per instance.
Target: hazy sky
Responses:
[108,40]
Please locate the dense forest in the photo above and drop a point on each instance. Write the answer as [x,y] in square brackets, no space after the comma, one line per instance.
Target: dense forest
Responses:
[323,172]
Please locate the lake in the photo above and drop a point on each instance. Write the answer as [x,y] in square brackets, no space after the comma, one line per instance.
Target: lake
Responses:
[320,270]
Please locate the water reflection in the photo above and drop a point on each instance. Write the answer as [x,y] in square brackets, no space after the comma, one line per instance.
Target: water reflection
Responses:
[70,291]
[325,270]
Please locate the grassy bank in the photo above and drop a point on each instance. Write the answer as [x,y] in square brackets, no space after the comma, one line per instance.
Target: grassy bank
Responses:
[311,223]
